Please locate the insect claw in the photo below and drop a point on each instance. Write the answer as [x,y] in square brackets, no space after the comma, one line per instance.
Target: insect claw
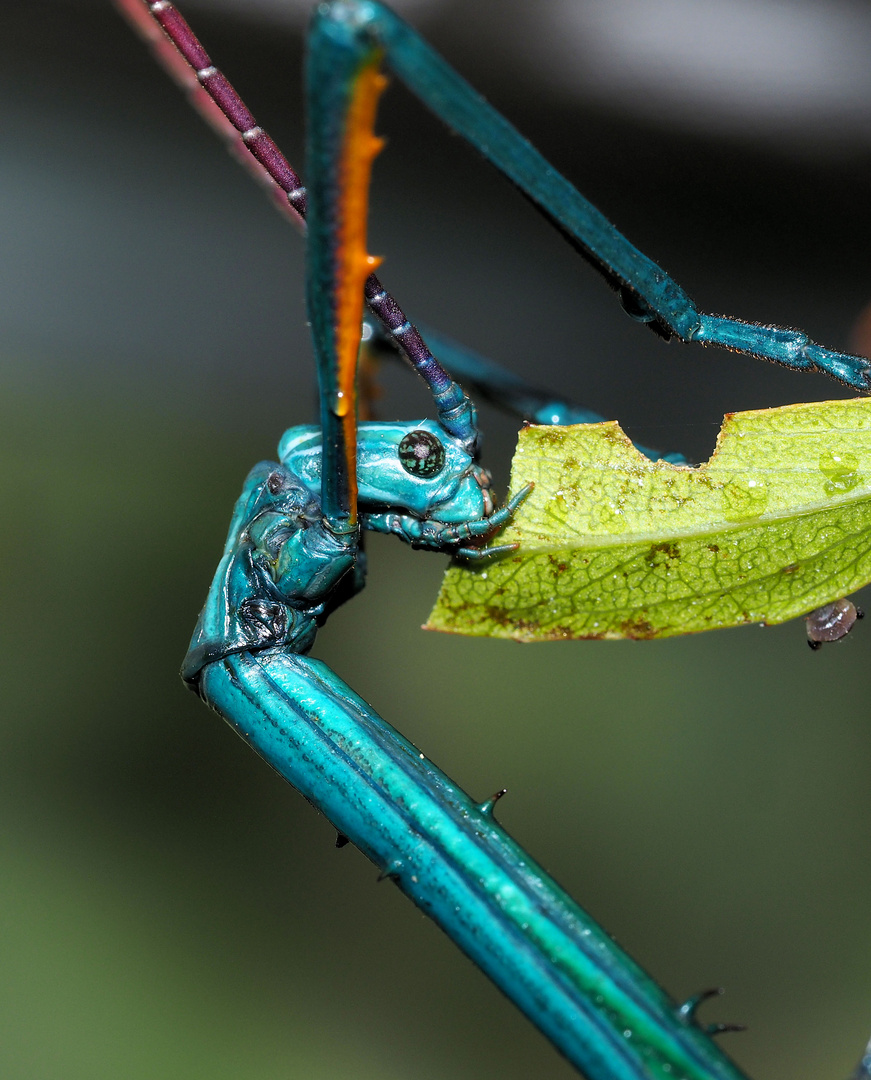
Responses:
[814,645]
[390,873]
[341,840]
[488,805]
[687,1011]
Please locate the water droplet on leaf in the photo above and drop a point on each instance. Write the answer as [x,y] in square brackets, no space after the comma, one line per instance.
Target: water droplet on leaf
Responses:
[743,499]
[841,469]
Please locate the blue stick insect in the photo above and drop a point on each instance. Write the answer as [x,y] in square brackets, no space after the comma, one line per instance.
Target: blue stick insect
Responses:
[293,553]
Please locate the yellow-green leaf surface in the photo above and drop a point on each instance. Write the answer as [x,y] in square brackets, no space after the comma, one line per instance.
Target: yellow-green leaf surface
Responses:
[613,545]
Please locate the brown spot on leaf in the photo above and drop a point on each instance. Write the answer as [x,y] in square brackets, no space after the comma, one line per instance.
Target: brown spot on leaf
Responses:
[638,628]
[662,553]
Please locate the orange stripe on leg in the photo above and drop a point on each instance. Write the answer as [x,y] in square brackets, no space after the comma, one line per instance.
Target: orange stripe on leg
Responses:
[353,263]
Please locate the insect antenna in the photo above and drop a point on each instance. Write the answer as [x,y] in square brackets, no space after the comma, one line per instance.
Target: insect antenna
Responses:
[180,53]
[178,50]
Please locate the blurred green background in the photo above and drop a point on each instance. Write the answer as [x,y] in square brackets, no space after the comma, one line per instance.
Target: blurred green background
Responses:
[169,907]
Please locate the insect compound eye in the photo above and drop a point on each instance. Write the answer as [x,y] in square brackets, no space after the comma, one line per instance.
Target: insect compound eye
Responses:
[421,454]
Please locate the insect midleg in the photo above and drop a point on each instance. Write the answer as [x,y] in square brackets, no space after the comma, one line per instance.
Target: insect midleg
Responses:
[500,386]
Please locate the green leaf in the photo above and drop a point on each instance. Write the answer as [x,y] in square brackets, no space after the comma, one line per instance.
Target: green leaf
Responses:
[613,545]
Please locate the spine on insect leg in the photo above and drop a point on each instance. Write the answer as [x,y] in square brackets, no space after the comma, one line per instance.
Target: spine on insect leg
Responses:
[863,1069]
[455,862]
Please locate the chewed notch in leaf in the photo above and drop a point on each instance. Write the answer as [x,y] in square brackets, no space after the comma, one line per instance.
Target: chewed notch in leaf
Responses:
[613,545]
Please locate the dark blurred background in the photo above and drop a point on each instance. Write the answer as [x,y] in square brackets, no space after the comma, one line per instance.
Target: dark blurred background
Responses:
[170,907]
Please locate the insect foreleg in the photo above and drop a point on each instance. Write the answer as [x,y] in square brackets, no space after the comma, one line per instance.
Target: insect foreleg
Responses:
[280,570]
[435,535]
